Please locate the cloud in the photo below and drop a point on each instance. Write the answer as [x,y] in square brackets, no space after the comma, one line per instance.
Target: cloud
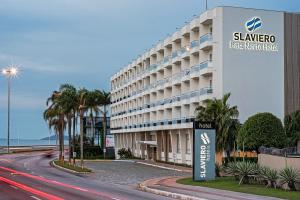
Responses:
[23,102]
[25,63]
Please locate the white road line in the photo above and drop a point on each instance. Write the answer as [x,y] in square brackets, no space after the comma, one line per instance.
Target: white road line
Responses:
[34,197]
[14,187]
[115,198]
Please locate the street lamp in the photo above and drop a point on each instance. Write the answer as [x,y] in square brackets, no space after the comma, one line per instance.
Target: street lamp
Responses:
[10,72]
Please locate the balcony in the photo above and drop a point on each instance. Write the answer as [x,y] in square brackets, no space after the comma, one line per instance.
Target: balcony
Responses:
[206,68]
[206,18]
[195,71]
[206,42]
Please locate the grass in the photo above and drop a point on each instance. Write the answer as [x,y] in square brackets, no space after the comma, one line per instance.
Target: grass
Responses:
[228,183]
[67,165]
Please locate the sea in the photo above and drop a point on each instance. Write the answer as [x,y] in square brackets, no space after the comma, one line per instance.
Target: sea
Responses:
[27,142]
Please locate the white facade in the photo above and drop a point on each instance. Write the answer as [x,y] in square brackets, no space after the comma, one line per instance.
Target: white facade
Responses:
[154,98]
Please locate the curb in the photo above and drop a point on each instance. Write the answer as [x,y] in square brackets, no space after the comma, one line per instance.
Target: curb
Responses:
[143,187]
[158,166]
[52,163]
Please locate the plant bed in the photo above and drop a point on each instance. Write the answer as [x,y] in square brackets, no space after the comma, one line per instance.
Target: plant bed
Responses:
[75,168]
[228,183]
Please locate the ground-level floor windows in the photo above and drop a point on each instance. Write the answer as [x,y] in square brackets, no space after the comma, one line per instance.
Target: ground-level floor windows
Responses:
[187,143]
[177,143]
[162,143]
[170,143]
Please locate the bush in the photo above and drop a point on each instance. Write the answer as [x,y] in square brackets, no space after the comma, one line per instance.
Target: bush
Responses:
[246,170]
[125,153]
[289,176]
[292,128]
[89,152]
[227,160]
[262,129]
[231,169]
[270,176]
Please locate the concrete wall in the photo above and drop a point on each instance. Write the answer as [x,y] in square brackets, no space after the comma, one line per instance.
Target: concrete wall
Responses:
[292,62]
[278,162]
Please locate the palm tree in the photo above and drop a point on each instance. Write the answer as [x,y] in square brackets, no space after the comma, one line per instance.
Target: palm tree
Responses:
[225,118]
[82,107]
[69,103]
[55,117]
[93,103]
[104,101]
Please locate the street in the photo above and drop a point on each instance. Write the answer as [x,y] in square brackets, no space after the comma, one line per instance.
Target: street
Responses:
[29,176]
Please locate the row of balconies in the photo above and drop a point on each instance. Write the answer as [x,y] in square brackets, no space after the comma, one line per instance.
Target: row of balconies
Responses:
[204,43]
[174,99]
[181,76]
[174,121]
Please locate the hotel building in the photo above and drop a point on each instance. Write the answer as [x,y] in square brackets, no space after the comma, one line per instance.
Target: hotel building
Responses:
[253,54]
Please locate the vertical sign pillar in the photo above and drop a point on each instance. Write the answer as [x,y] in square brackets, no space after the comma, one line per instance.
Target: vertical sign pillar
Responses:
[204,143]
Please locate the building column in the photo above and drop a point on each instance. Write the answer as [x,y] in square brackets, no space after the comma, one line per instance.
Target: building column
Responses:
[182,137]
[159,145]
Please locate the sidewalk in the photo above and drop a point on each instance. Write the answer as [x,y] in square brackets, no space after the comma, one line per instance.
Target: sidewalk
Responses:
[167,186]
[165,166]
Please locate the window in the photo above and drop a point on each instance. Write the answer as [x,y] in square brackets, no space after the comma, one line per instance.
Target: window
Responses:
[170,143]
[162,143]
[187,143]
[177,143]
[210,57]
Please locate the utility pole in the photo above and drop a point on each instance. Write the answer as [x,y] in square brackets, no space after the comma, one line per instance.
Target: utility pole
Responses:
[205,4]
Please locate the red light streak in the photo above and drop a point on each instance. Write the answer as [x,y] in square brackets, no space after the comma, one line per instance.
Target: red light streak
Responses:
[31,190]
[57,183]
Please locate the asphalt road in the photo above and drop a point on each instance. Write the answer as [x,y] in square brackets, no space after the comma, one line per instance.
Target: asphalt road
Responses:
[29,176]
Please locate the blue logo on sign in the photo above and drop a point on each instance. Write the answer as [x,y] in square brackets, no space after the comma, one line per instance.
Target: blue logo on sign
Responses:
[253,24]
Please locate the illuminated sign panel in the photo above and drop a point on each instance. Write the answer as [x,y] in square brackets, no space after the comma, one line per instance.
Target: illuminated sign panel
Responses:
[253,41]
[204,152]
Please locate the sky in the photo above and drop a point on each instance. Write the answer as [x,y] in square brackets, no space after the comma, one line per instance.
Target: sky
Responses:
[84,42]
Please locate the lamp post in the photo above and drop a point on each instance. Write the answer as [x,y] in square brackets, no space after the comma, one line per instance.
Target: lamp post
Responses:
[9,72]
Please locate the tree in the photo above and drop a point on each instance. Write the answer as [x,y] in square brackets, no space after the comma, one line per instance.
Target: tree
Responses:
[82,107]
[93,103]
[69,102]
[292,128]
[225,118]
[55,116]
[262,129]
[104,101]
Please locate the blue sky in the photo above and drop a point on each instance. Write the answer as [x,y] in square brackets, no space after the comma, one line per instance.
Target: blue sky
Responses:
[84,42]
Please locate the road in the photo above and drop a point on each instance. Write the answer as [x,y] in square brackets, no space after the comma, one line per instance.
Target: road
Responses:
[29,176]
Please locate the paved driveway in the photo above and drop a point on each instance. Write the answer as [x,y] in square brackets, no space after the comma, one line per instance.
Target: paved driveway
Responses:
[128,173]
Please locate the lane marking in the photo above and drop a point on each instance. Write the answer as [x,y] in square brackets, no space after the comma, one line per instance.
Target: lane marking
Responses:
[34,197]
[14,187]
[30,189]
[58,183]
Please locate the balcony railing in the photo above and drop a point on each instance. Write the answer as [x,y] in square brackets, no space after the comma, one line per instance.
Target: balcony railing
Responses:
[182,120]
[153,67]
[205,38]
[178,98]
[194,43]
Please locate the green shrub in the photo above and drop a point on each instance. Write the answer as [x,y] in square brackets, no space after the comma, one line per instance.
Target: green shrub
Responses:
[292,128]
[218,170]
[231,169]
[246,171]
[125,153]
[89,152]
[289,176]
[270,176]
[262,129]
[227,160]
